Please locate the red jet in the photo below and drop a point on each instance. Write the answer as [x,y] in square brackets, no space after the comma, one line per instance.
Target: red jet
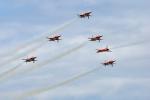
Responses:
[86,14]
[54,38]
[32,59]
[109,62]
[103,50]
[95,38]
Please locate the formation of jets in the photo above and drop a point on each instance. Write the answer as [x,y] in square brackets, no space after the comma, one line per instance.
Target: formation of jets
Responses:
[93,38]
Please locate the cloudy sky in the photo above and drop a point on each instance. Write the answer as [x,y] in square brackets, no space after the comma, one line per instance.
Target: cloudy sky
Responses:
[25,24]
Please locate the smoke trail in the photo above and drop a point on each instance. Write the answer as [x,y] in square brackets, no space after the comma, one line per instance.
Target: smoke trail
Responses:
[17,56]
[39,38]
[74,49]
[12,73]
[57,57]
[57,30]
[7,74]
[130,44]
[25,53]
[44,89]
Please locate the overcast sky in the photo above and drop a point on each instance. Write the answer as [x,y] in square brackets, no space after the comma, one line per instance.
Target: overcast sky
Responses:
[120,22]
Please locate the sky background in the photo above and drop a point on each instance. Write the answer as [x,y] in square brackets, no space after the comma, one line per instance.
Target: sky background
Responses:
[120,22]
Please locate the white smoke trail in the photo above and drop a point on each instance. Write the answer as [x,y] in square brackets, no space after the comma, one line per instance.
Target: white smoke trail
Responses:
[56,57]
[130,44]
[48,88]
[40,40]
[11,72]
[37,39]
[20,55]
